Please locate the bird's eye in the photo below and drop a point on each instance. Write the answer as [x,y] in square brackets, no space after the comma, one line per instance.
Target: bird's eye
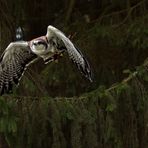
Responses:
[40,42]
[35,43]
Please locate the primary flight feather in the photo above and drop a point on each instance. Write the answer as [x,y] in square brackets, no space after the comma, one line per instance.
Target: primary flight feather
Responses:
[18,55]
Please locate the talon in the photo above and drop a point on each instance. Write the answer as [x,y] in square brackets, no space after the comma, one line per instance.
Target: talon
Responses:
[48,60]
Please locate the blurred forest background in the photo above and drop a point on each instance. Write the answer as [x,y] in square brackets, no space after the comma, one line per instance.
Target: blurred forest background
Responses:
[54,106]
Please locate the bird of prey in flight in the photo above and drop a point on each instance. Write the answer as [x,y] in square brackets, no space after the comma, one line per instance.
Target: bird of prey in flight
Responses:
[18,55]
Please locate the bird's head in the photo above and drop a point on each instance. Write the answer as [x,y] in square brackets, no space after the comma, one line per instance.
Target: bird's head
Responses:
[39,45]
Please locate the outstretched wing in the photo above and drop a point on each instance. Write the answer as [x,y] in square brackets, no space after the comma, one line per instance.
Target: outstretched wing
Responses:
[13,62]
[75,55]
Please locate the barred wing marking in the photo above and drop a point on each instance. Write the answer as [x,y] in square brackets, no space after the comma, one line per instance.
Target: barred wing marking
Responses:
[13,63]
[75,55]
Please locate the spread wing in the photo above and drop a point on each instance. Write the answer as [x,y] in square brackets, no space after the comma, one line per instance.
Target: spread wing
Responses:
[75,55]
[13,63]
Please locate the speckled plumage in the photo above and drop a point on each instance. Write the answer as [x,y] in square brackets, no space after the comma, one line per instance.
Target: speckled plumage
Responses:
[18,55]
[74,53]
[12,64]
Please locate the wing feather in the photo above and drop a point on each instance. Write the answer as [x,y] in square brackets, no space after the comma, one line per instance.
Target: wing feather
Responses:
[13,63]
[74,54]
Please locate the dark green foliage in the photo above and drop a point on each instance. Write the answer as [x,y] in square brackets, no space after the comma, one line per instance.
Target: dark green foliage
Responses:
[8,119]
[113,118]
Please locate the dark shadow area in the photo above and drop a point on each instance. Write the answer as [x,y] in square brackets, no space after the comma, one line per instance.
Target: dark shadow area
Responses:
[113,35]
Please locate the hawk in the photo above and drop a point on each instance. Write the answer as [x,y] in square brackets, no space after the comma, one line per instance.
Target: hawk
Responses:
[20,54]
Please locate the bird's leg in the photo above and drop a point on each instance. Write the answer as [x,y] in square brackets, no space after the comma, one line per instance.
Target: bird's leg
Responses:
[55,58]
[48,60]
